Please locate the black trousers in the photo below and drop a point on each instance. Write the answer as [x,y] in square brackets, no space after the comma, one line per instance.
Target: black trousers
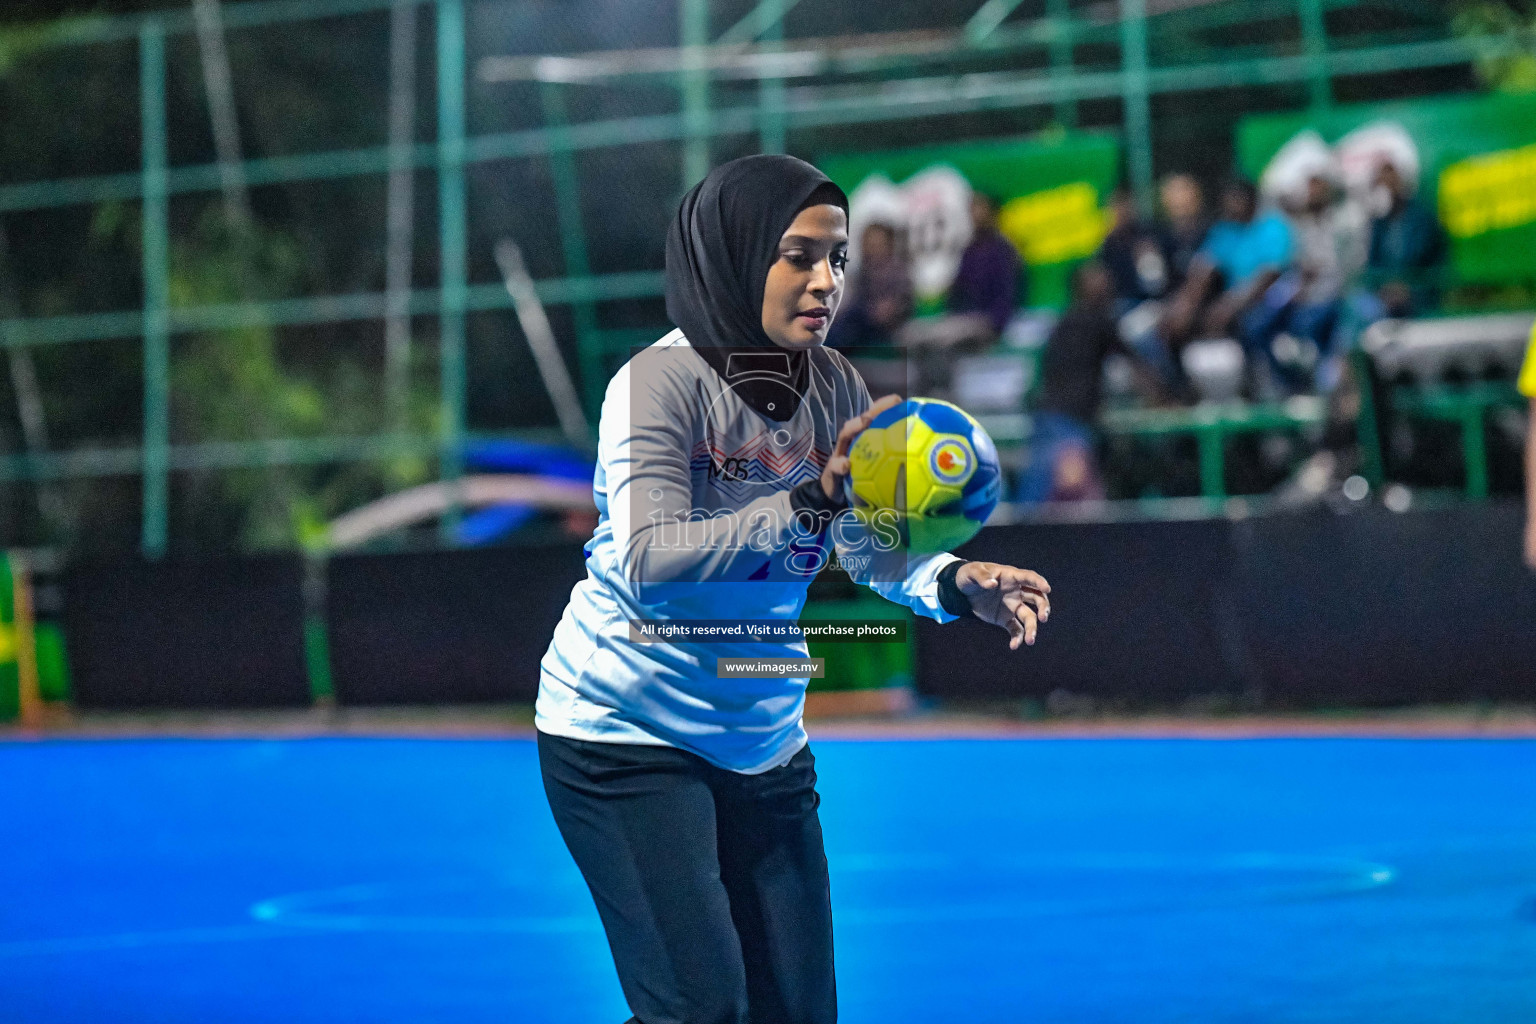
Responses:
[712,885]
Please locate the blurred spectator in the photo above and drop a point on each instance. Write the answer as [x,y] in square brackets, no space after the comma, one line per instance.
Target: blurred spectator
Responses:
[1244,255]
[990,273]
[880,292]
[1184,231]
[980,303]
[1149,264]
[1063,466]
[1332,240]
[1295,325]
[1249,248]
[1407,247]
[1136,254]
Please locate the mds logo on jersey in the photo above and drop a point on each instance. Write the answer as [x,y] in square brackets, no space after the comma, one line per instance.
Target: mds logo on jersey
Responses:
[732,468]
[768,459]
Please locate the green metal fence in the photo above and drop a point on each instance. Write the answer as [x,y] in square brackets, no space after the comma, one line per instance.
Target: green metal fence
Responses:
[927,88]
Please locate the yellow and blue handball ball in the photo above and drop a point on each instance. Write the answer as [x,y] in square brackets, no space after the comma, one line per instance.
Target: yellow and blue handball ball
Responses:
[932,467]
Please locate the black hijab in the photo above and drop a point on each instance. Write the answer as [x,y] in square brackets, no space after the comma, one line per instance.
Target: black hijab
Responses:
[721,244]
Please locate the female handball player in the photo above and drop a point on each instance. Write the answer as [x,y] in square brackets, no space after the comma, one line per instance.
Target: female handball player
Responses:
[689,800]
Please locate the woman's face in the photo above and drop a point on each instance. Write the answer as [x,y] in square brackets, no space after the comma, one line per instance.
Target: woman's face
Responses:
[805,283]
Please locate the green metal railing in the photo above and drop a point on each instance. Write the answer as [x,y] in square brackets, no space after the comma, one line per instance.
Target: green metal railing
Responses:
[775,113]
[453,228]
[157,290]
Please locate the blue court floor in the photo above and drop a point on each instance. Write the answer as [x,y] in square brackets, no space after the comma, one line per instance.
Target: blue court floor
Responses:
[1083,881]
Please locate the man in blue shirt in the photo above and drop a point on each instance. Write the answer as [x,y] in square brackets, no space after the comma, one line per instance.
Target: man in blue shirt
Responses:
[1249,249]
[1243,258]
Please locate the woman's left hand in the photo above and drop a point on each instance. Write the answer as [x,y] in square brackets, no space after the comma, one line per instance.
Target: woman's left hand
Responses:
[838,465]
[1015,599]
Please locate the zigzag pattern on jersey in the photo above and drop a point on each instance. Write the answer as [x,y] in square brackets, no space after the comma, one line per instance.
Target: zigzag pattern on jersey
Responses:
[759,464]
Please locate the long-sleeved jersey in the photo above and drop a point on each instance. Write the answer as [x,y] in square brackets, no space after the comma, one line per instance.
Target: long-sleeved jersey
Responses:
[695,521]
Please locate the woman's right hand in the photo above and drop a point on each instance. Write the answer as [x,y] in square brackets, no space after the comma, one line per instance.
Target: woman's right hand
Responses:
[836,469]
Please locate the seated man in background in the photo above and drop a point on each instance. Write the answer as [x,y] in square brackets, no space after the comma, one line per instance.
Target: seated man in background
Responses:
[1137,255]
[1407,248]
[980,302]
[880,292]
[1063,465]
[1184,226]
[1149,263]
[988,280]
[1227,293]
[1299,333]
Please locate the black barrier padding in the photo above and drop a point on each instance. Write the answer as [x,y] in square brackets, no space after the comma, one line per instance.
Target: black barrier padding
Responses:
[1307,610]
[1376,608]
[225,633]
[445,627]
[1134,614]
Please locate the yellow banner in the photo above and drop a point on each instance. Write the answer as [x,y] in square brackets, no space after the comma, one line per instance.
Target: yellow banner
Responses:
[1057,225]
[1488,193]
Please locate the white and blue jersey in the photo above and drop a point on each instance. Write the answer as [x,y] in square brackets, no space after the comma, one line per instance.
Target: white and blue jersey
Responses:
[695,522]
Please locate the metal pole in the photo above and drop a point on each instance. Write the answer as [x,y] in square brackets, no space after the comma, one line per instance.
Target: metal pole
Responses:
[317,640]
[1314,37]
[988,17]
[222,114]
[758,20]
[1061,57]
[541,340]
[401,211]
[1474,448]
[1134,96]
[772,131]
[454,244]
[694,31]
[573,242]
[809,108]
[29,396]
[155,245]
[1373,465]
[25,641]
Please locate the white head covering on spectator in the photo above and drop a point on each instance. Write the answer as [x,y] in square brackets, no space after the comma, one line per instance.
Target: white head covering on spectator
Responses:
[1363,151]
[1304,157]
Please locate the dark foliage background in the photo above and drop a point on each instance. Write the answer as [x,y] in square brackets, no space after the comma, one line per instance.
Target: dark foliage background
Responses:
[323,85]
